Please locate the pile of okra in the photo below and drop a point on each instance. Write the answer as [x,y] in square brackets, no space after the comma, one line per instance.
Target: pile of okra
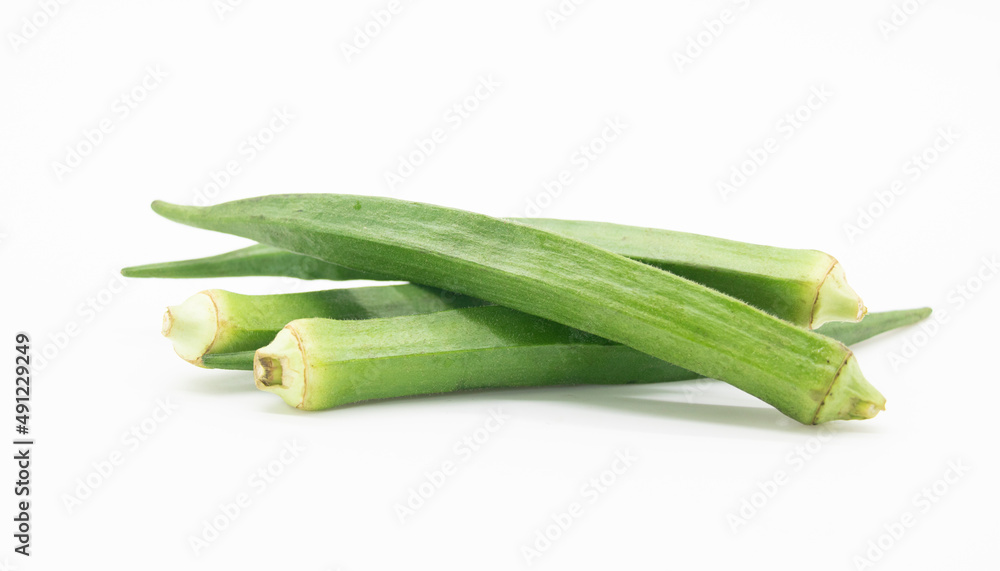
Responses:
[524,302]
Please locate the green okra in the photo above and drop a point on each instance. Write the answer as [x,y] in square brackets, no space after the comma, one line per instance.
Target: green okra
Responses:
[256,260]
[805,287]
[219,321]
[807,376]
[315,364]
[590,360]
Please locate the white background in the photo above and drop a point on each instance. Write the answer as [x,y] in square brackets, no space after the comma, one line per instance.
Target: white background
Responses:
[701,450]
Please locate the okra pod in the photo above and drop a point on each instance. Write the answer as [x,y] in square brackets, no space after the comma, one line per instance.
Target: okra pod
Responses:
[219,321]
[592,360]
[316,364]
[256,260]
[805,287]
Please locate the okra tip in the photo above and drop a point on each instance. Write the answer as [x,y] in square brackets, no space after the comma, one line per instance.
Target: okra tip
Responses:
[192,326]
[175,212]
[159,206]
[850,397]
[279,368]
[836,300]
[159,270]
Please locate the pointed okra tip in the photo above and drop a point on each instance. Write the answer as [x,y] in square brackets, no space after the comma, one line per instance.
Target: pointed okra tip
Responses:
[836,300]
[144,271]
[161,206]
[850,397]
[175,212]
[279,367]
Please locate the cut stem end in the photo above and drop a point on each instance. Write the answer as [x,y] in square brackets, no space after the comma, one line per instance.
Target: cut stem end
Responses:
[192,327]
[279,368]
[836,300]
[267,371]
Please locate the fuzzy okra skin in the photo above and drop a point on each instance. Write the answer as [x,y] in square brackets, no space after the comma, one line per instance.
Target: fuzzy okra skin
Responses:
[219,321]
[804,287]
[808,377]
[591,360]
[315,364]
